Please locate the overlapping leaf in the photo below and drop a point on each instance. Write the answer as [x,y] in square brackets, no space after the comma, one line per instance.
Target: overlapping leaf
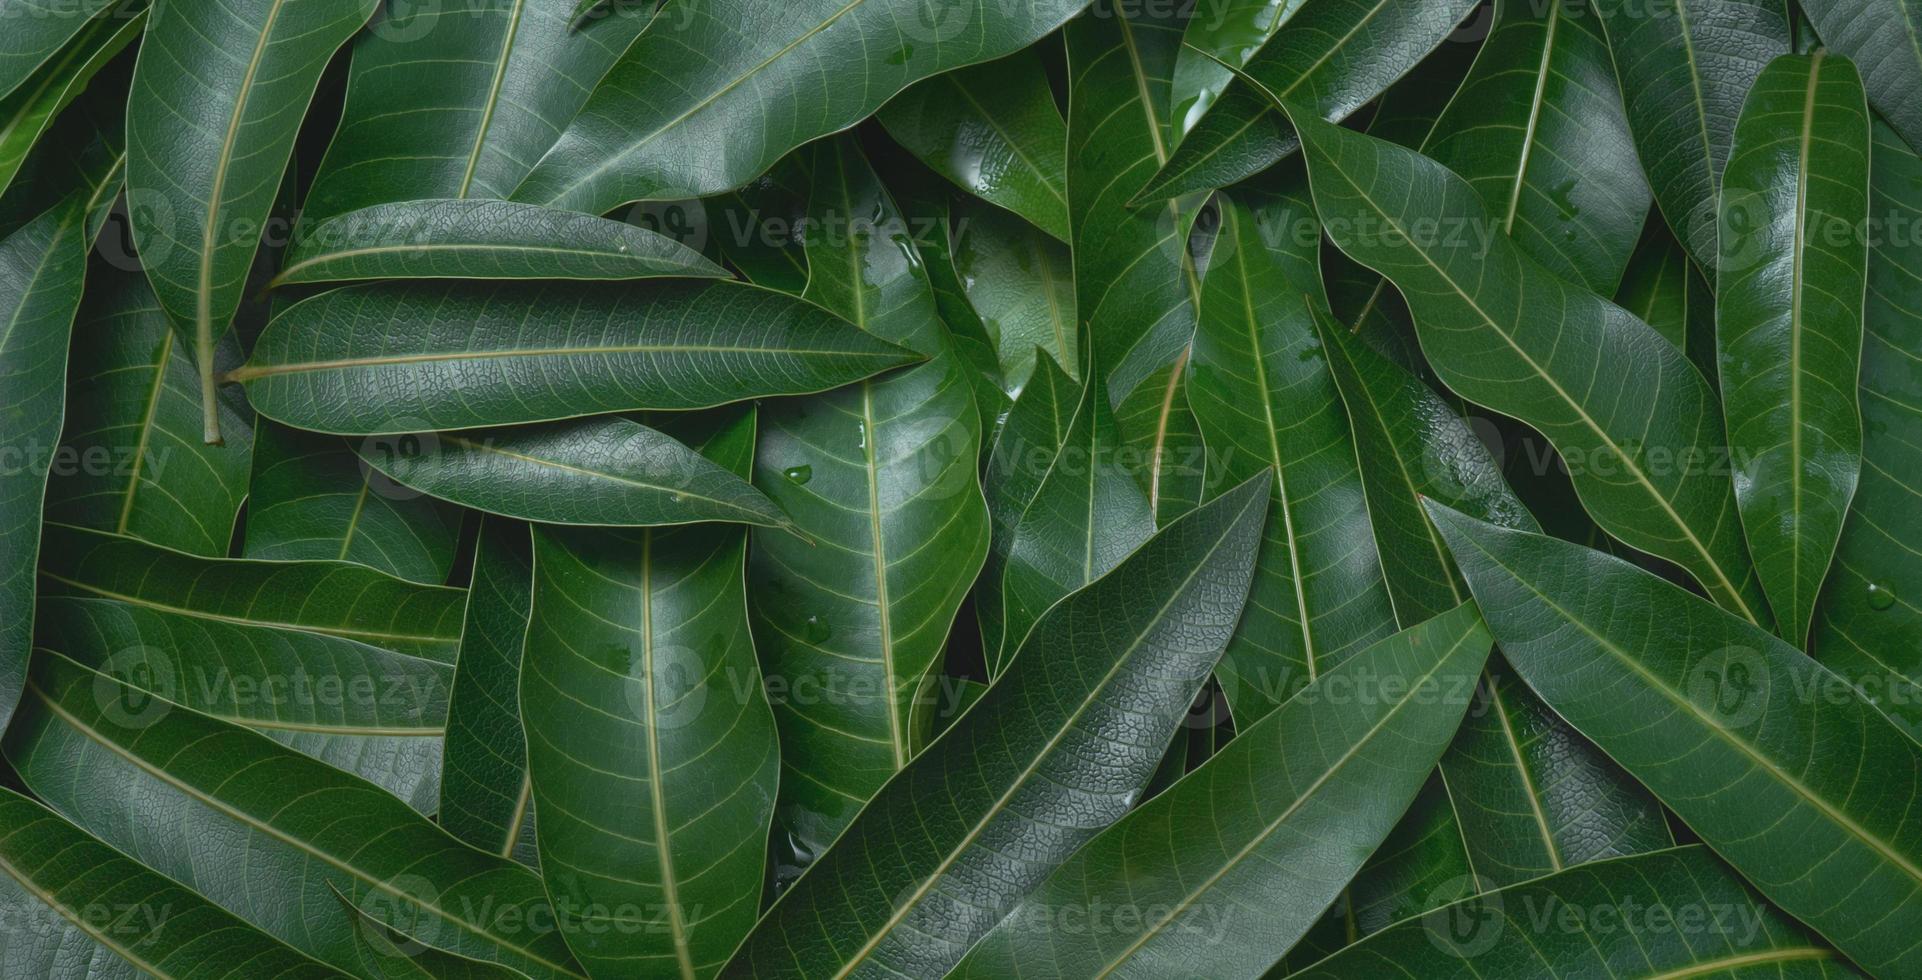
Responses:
[1024,450]
[1885,38]
[1021,285]
[28,111]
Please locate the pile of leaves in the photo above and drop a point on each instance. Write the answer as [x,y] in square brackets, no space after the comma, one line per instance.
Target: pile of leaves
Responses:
[908,488]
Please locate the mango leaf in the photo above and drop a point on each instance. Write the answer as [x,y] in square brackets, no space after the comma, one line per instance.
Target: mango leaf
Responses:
[1020,283]
[1789,295]
[1502,935]
[400,357]
[1508,334]
[28,112]
[1868,615]
[387,953]
[243,802]
[1684,71]
[1530,796]
[457,239]
[1265,399]
[1251,847]
[651,747]
[218,96]
[1164,441]
[719,91]
[42,266]
[458,98]
[1024,451]
[1884,34]
[377,714]
[1086,516]
[882,476]
[603,470]
[1665,290]
[1332,56]
[312,498]
[83,909]
[1539,131]
[486,798]
[1032,771]
[992,129]
[339,599]
[41,28]
[1762,751]
[1226,34]
[132,460]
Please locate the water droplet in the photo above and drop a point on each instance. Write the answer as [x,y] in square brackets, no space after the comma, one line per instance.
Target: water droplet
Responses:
[623,247]
[861,431]
[799,474]
[1880,596]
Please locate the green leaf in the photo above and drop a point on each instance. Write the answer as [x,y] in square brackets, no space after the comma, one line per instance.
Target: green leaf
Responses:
[1685,70]
[1530,796]
[1225,34]
[1539,131]
[604,470]
[1164,441]
[1789,296]
[1665,290]
[456,239]
[218,96]
[1508,334]
[719,91]
[132,460]
[262,830]
[40,29]
[1021,285]
[1885,34]
[651,747]
[82,909]
[312,498]
[401,357]
[389,954]
[1620,919]
[1225,871]
[42,266]
[881,478]
[1023,453]
[1264,398]
[27,113]
[339,599]
[1333,56]
[1086,516]
[993,130]
[1868,617]
[486,798]
[375,713]
[1032,771]
[458,98]
[1763,752]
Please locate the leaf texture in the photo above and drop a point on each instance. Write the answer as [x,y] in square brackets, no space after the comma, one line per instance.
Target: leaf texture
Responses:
[1884,37]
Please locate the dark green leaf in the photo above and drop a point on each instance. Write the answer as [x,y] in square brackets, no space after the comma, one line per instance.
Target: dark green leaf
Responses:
[1024,451]
[1225,33]
[1164,441]
[1884,36]
[1021,285]
[1264,398]
[132,460]
[720,90]
[1685,67]
[603,470]
[485,796]
[881,477]
[263,830]
[1665,290]
[1333,56]
[401,357]
[387,953]
[1221,874]
[1789,294]
[1770,758]
[458,98]
[994,131]
[339,599]
[218,96]
[1032,772]
[28,111]
[312,498]
[457,239]
[81,909]
[1508,334]
[1677,913]
[651,748]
